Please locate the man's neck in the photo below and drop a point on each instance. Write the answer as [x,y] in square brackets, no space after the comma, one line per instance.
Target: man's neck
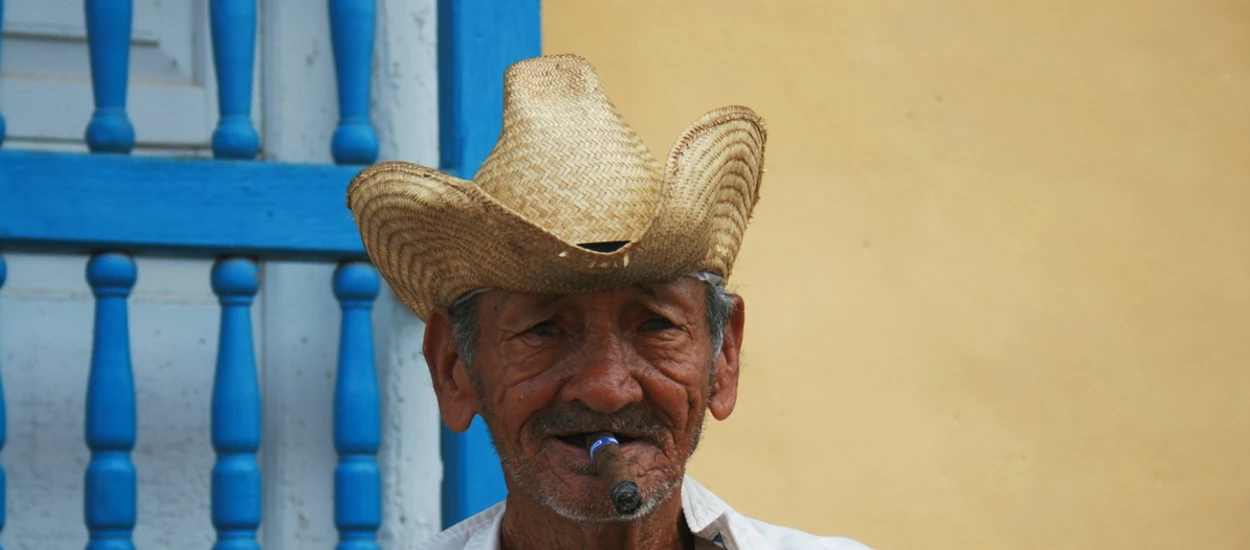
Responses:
[530,526]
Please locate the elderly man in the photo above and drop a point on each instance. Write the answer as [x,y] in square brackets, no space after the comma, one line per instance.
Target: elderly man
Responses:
[574,297]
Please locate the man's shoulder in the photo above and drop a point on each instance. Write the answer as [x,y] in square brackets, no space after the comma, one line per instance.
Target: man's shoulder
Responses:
[481,531]
[786,538]
[714,519]
[478,531]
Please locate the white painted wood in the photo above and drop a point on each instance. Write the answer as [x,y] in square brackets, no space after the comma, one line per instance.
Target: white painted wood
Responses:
[45,307]
[66,118]
[45,87]
[405,107]
[300,118]
[46,316]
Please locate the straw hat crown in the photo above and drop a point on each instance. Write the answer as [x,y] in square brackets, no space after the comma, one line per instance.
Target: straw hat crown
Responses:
[561,138]
[569,200]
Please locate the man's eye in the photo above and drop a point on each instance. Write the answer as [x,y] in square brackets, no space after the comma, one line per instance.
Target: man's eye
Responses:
[656,324]
[545,328]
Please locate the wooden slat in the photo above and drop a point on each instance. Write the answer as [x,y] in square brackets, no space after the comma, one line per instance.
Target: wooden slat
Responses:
[236,422]
[233,24]
[110,504]
[357,412]
[477,41]
[108,40]
[4,421]
[74,202]
[352,26]
[3,131]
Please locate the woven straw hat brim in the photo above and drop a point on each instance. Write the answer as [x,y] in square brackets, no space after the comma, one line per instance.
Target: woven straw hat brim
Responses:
[435,237]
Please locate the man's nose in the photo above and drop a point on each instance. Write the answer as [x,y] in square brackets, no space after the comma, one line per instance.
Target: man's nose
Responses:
[602,378]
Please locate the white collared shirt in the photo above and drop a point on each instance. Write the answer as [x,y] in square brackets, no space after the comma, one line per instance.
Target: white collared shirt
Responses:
[713,522]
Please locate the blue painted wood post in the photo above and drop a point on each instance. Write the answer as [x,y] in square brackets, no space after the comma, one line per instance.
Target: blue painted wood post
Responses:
[4,420]
[108,41]
[109,503]
[2,131]
[236,430]
[233,25]
[477,41]
[357,412]
[351,31]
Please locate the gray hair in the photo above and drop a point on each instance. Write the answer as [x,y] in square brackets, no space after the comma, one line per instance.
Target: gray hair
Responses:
[719,308]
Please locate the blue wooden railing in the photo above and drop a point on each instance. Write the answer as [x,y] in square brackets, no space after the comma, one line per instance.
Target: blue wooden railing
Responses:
[477,40]
[357,430]
[233,25]
[108,39]
[2,133]
[351,32]
[109,506]
[261,210]
[236,488]
[4,421]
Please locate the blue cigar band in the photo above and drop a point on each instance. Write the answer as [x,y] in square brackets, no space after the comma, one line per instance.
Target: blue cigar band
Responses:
[605,440]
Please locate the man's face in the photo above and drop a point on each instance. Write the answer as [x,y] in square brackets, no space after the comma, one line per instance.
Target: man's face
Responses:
[549,369]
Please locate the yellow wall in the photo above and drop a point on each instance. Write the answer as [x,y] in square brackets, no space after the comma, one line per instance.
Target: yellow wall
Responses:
[998,285]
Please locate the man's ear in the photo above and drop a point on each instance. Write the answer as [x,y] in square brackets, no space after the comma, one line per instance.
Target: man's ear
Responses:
[724,393]
[457,399]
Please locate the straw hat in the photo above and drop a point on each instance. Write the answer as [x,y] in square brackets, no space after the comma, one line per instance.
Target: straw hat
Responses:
[569,200]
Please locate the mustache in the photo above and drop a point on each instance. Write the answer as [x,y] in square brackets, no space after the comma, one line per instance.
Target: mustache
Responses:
[635,420]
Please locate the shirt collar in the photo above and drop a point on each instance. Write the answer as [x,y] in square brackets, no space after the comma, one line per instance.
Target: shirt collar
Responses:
[486,528]
[707,516]
[711,519]
[703,509]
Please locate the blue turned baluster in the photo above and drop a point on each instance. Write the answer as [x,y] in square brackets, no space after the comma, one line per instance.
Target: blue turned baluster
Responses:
[2,130]
[108,40]
[351,31]
[357,422]
[109,503]
[4,421]
[236,485]
[234,49]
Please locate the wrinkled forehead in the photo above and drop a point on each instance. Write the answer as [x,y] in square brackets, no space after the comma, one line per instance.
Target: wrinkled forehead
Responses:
[648,288]
[681,293]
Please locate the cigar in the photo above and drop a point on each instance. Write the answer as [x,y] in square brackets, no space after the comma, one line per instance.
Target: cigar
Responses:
[605,453]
